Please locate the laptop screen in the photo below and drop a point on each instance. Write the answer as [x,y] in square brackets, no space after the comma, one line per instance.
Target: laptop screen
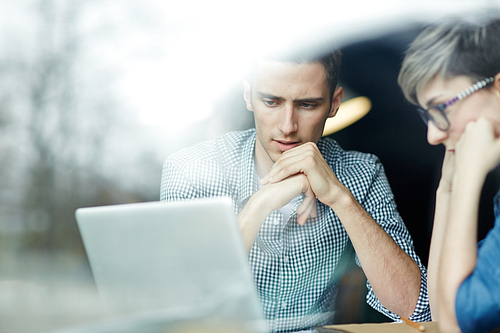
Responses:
[184,257]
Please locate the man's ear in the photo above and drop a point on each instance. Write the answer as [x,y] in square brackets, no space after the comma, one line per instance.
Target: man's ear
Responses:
[336,100]
[247,95]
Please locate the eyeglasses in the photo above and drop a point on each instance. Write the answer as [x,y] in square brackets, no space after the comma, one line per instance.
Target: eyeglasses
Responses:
[436,113]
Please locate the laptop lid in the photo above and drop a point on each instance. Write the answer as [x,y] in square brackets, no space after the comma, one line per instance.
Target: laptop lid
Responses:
[184,258]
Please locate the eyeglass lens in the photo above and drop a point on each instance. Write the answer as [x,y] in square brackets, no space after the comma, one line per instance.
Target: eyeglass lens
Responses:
[438,118]
[435,115]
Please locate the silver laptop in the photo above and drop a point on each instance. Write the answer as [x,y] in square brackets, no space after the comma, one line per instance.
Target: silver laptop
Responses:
[176,262]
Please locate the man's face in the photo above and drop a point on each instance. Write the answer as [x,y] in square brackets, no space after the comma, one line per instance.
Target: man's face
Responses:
[291,103]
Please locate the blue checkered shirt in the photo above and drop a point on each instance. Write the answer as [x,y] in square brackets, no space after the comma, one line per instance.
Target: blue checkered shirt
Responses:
[294,266]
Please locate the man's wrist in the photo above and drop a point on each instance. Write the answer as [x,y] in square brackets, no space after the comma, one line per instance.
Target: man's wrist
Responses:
[342,199]
[256,208]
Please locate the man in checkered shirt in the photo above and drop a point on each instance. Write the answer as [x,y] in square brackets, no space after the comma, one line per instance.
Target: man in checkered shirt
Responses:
[301,200]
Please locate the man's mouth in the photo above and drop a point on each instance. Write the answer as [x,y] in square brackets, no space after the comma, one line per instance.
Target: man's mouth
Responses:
[286,145]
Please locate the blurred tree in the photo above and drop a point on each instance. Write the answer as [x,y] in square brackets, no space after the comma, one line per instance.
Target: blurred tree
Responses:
[51,117]
[59,123]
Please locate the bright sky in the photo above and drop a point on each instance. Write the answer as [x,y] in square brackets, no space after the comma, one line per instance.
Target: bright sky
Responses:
[173,59]
[203,47]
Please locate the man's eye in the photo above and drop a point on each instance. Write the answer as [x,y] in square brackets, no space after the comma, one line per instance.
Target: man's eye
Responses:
[308,105]
[270,103]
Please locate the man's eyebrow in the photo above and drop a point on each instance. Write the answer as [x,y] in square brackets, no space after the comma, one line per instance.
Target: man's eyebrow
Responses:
[270,96]
[310,100]
[303,100]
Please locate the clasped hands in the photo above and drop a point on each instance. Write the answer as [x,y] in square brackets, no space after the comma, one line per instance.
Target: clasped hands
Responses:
[302,170]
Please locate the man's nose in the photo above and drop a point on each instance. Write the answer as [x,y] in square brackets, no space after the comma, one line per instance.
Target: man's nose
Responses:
[435,136]
[288,122]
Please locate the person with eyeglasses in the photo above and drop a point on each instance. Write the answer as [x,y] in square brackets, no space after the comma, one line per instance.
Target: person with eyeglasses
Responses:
[452,70]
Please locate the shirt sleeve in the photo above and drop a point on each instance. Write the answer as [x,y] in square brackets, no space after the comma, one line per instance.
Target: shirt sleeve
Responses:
[188,175]
[478,297]
[380,204]
[174,183]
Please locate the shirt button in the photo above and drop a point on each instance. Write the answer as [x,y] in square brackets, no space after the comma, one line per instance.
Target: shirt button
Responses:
[284,305]
[286,259]
[276,221]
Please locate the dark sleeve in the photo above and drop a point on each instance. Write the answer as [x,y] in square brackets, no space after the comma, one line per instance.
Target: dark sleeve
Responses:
[477,303]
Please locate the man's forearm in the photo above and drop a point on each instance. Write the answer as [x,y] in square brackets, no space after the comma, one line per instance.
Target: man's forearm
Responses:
[271,197]
[250,220]
[393,275]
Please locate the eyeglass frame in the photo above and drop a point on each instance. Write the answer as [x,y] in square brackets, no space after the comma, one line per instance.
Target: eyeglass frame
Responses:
[426,116]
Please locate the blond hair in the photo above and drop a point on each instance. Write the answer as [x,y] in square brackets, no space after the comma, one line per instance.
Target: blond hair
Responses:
[451,48]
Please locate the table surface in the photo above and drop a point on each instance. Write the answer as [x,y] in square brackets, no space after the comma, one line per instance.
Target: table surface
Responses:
[430,327]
